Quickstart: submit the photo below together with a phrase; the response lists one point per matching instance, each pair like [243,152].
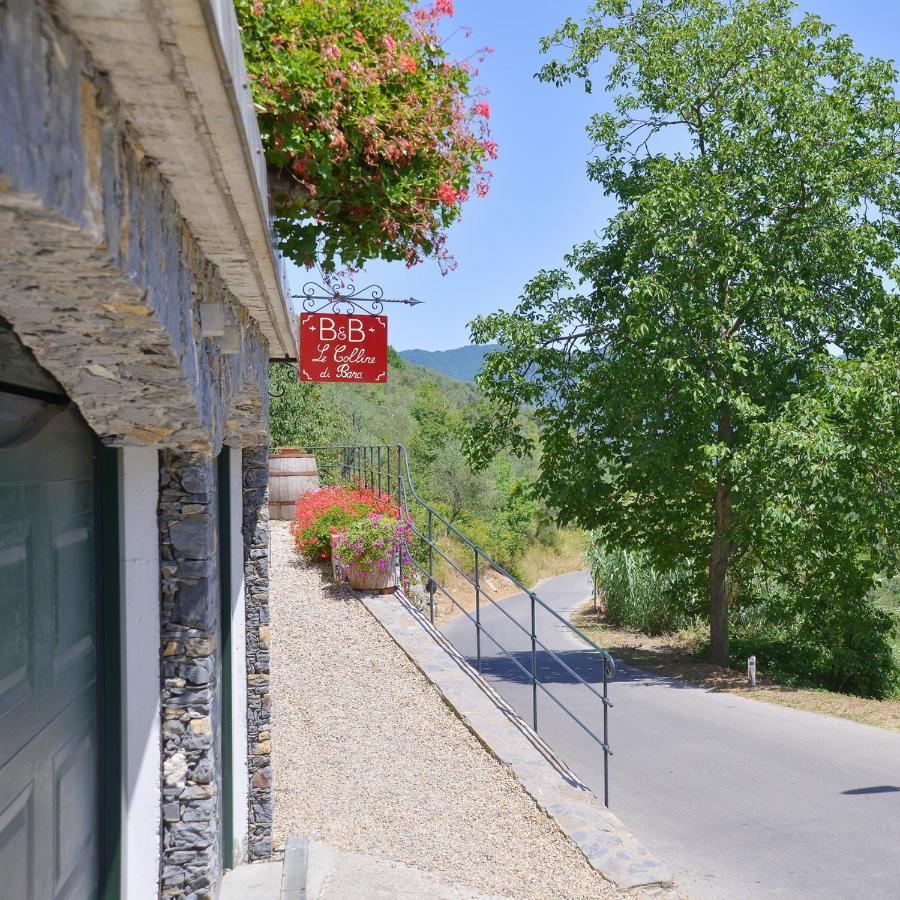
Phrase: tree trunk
[718,579]
[720,555]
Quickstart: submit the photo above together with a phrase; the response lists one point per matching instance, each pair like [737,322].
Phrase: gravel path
[367,757]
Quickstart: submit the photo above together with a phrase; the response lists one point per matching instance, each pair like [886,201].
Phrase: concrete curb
[607,844]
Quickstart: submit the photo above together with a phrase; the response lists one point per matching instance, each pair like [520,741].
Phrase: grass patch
[560,552]
[676,656]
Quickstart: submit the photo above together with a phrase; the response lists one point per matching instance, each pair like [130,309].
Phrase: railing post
[533,662]
[605,734]
[430,565]
[379,469]
[478,609]
[390,483]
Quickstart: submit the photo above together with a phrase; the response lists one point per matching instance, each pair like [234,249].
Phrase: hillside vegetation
[426,411]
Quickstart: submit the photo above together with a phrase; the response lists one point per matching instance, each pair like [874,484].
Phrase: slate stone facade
[259,699]
[102,278]
[191,668]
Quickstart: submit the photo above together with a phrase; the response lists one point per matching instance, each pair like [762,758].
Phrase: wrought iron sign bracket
[368,301]
[282,362]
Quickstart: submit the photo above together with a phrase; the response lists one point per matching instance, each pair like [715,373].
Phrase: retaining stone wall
[191,671]
[259,699]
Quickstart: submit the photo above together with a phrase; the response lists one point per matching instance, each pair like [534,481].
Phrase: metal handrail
[373,466]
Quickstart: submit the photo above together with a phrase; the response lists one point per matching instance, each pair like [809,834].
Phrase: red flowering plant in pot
[323,513]
[374,134]
[367,553]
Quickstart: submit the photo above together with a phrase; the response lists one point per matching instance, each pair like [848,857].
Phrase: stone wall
[191,729]
[102,278]
[259,699]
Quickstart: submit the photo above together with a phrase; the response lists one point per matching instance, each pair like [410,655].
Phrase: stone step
[256,881]
[314,871]
[340,875]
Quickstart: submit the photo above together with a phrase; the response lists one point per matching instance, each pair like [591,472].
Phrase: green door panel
[48,660]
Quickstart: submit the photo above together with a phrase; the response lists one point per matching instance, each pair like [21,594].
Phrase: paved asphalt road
[743,799]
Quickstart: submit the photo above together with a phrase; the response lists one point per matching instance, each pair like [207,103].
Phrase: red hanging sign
[338,347]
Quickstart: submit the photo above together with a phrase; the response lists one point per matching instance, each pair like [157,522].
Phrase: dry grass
[566,555]
[672,657]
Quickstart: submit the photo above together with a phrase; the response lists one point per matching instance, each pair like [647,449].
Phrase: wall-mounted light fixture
[230,344]
[212,319]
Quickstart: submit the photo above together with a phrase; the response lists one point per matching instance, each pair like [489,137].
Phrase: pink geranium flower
[446,194]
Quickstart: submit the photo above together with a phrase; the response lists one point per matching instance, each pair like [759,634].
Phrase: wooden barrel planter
[292,472]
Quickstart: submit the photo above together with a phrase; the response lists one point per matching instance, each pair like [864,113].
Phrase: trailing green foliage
[374,134]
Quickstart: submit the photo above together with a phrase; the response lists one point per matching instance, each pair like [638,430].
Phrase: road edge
[609,847]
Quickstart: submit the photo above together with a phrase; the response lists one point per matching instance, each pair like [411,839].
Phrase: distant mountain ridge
[463,363]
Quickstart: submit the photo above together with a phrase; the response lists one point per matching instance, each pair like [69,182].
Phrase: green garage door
[48,654]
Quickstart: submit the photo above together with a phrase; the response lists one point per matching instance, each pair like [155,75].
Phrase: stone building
[140,302]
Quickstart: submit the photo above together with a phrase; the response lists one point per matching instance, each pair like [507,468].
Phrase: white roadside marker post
[751,671]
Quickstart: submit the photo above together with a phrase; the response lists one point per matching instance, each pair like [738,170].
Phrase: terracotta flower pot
[373,581]
[363,580]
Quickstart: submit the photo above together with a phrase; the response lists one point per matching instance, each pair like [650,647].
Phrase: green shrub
[807,635]
[332,510]
[635,595]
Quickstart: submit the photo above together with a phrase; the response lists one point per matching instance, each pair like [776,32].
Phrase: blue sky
[541,202]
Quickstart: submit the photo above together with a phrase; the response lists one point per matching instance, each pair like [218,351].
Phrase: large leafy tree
[694,367]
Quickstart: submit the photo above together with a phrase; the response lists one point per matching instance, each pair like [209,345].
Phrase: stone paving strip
[607,844]
[367,756]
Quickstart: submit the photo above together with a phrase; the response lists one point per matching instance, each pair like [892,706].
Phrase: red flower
[446,194]
[407,63]
[359,37]
[482,109]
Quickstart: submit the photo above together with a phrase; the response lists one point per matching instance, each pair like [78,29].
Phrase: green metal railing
[385,468]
